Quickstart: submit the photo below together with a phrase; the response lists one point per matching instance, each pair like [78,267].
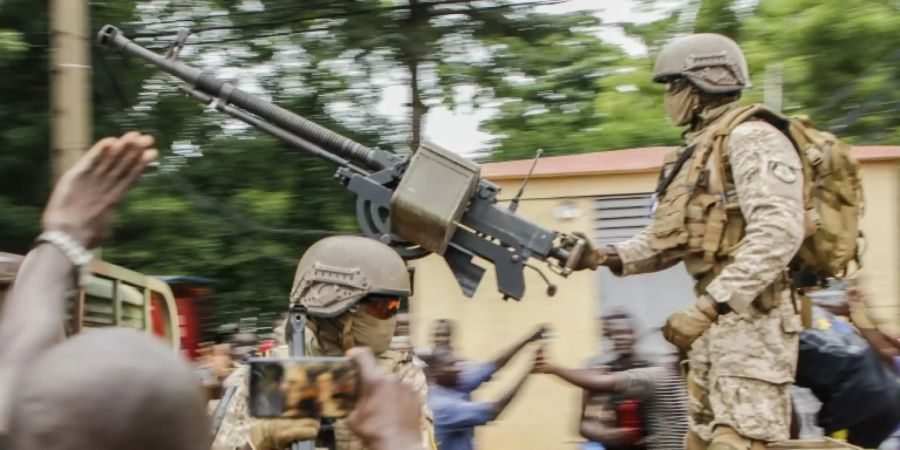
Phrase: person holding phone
[352,288]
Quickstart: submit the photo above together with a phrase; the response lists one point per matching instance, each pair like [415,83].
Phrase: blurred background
[494,80]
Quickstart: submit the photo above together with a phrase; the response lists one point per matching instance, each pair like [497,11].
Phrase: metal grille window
[619,217]
[99,303]
[650,298]
[131,306]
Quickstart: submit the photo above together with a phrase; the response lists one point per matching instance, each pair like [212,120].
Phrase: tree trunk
[418,108]
[417,18]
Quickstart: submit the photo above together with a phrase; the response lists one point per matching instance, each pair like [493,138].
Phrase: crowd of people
[725,386]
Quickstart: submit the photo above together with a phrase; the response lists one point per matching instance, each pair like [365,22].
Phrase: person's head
[243,345]
[618,327]
[701,71]
[113,389]
[352,288]
[443,367]
[442,334]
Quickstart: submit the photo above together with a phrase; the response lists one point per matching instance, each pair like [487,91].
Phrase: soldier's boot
[725,438]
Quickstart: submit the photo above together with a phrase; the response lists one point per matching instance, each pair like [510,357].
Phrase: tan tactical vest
[699,214]
[398,363]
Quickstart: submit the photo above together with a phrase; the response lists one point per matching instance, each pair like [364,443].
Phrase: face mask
[680,105]
[372,332]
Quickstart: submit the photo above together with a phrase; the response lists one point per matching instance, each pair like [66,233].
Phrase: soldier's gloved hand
[591,258]
[683,327]
[278,434]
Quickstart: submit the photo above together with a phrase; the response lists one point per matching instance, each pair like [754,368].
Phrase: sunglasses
[381,306]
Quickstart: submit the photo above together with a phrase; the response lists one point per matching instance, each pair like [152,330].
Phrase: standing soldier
[730,206]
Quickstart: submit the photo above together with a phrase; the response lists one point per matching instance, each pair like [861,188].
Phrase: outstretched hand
[541,364]
[83,200]
[540,333]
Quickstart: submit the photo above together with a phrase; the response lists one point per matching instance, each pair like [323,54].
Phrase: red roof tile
[630,160]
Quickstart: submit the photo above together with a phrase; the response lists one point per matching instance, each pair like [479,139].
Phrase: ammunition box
[432,196]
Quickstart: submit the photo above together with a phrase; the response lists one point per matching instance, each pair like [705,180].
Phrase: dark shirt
[602,405]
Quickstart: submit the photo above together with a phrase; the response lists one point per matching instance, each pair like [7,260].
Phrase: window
[650,298]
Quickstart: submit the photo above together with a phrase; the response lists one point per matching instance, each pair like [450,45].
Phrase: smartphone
[297,388]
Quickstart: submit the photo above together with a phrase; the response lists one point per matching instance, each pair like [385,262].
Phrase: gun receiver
[398,200]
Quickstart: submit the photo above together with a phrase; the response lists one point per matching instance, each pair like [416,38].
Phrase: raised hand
[83,200]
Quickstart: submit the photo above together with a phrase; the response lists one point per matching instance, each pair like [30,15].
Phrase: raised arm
[500,405]
[634,382]
[503,358]
[79,211]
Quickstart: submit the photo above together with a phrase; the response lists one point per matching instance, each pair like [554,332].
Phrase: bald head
[113,389]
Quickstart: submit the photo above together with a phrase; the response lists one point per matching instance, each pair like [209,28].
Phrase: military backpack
[832,196]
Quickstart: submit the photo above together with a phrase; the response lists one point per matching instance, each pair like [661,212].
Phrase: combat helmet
[712,62]
[337,272]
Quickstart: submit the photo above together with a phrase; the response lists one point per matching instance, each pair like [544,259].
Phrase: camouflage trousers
[740,373]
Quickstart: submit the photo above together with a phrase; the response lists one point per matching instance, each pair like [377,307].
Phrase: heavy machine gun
[431,202]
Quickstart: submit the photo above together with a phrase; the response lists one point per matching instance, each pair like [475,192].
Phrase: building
[607,195]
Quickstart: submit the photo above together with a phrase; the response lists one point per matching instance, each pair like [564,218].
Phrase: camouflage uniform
[234,430]
[742,366]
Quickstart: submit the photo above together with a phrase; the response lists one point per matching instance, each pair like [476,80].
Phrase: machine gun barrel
[432,202]
[226,93]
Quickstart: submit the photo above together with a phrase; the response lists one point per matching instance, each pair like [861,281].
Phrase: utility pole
[70,79]
[772,92]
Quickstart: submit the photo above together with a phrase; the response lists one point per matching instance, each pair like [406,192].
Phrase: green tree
[24,106]
[838,59]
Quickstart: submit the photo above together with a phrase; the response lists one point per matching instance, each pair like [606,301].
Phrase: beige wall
[881,226]
[546,412]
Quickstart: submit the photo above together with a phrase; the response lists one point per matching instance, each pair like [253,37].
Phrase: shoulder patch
[783,171]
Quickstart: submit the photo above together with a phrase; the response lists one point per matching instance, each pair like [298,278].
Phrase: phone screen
[303,387]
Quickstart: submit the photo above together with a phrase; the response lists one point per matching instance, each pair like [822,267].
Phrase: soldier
[352,288]
[730,206]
